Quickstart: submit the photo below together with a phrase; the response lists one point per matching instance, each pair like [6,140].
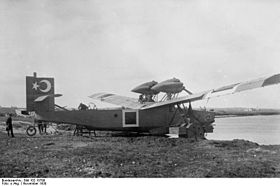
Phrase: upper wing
[248,85]
[118,100]
[229,89]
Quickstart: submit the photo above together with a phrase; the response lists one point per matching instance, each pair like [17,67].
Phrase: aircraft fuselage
[121,119]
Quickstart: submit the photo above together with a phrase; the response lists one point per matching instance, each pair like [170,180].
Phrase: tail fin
[39,93]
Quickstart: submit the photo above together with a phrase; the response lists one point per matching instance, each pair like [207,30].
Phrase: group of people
[82,106]
[9,127]
[145,98]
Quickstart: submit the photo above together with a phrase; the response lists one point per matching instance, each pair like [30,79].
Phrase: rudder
[39,93]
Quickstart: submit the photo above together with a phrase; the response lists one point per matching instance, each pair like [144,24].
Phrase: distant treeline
[225,112]
[10,110]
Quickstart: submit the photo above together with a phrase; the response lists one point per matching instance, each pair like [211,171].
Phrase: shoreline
[64,156]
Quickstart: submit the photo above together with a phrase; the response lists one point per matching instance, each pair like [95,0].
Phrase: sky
[92,46]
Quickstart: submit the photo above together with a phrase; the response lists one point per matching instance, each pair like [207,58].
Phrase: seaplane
[149,113]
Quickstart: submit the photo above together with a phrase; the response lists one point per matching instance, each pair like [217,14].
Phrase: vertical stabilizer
[37,87]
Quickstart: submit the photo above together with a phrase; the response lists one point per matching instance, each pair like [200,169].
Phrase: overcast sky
[91,46]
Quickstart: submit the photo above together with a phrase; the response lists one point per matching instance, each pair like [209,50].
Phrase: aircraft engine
[145,88]
[170,86]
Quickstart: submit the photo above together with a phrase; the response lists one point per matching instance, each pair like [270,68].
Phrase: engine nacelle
[145,88]
[170,86]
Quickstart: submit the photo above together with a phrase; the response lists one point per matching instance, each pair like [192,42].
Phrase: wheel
[31,131]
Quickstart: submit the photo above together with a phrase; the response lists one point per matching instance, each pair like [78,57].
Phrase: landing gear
[189,126]
[80,130]
[195,131]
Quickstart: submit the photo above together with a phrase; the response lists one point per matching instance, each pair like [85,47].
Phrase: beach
[62,155]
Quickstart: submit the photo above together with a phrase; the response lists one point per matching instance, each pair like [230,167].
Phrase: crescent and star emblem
[36,86]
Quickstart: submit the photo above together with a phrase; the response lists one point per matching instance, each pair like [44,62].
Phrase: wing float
[133,103]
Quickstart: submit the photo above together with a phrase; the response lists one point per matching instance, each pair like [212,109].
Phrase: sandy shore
[65,155]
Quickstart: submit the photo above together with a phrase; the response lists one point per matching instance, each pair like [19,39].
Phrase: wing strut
[183,113]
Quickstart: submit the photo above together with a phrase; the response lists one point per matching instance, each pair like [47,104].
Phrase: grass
[147,156]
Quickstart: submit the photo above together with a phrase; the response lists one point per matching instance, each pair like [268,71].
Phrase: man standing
[82,107]
[40,126]
[10,126]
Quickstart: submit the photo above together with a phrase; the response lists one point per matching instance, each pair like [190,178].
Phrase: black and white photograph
[139,89]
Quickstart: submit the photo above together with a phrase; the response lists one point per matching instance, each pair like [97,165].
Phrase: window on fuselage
[130,118]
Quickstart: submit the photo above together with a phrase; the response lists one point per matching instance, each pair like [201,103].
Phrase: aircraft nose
[135,89]
[145,88]
[139,89]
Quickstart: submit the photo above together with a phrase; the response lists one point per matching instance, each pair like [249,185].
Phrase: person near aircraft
[44,128]
[150,98]
[92,105]
[82,107]
[10,126]
[141,99]
[40,126]
[169,96]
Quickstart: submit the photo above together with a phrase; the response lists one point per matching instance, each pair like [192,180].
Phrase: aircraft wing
[229,89]
[123,101]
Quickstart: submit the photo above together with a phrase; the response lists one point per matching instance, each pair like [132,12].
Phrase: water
[263,130]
